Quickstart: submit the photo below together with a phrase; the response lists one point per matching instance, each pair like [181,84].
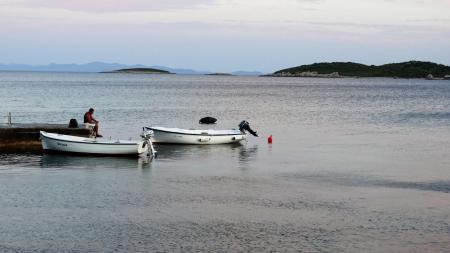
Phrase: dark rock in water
[207,120]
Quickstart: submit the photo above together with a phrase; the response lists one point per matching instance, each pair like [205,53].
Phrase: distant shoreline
[219,74]
[403,70]
[263,76]
[356,77]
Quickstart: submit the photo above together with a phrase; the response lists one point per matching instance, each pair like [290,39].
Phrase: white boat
[52,142]
[187,136]
[165,135]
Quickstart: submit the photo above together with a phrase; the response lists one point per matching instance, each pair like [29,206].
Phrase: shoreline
[356,77]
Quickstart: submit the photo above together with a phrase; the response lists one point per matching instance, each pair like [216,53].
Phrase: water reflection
[240,153]
[23,160]
[247,154]
[181,152]
[67,161]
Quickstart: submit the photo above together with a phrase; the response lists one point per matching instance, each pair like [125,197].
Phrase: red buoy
[269,140]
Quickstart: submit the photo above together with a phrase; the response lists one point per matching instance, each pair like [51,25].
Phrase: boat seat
[91,129]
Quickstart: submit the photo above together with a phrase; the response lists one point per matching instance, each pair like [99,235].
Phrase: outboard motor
[147,138]
[245,126]
[207,120]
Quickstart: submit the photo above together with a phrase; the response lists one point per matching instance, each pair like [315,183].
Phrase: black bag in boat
[73,123]
[207,120]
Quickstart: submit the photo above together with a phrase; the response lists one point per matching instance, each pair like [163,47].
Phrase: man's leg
[96,130]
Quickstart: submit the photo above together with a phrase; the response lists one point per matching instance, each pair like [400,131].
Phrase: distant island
[96,67]
[139,71]
[411,69]
[219,74]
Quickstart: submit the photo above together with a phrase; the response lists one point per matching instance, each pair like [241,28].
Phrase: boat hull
[196,137]
[52,143]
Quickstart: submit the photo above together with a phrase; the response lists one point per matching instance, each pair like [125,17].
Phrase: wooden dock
[24,138]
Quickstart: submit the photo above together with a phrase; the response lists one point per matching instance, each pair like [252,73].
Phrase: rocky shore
[307,74]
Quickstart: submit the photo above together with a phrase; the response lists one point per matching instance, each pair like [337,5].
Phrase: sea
[356,165]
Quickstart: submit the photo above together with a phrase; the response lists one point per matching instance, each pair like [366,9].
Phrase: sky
[224,35]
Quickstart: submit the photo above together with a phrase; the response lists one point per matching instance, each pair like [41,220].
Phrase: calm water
[357,165]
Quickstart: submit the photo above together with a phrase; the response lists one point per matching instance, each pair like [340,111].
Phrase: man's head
[91,110]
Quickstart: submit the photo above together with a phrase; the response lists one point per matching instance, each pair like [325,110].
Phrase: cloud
[111,5]
[396,21]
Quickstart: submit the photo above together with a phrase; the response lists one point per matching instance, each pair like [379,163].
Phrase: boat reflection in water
[247,154]
[19,160]
[208,154]
[92,162]
[181,152]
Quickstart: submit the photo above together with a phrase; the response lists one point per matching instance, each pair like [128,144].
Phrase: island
[410,69]
[139,71]
[219,74]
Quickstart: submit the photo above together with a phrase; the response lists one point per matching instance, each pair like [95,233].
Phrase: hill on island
[411,69]
[140,71]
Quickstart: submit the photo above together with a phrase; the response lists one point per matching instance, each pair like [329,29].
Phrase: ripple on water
[366,181]
[214,236]
[19,163]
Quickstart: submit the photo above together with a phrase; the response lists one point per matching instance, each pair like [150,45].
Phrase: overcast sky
[224,35]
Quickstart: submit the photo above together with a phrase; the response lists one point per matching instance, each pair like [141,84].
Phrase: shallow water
[357,165]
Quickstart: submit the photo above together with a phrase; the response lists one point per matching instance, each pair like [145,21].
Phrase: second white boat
[166,135]
[187,136]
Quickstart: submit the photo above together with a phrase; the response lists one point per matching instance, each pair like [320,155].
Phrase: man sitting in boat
[89,119]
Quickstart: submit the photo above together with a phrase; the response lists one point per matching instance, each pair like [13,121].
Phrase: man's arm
[89,119]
